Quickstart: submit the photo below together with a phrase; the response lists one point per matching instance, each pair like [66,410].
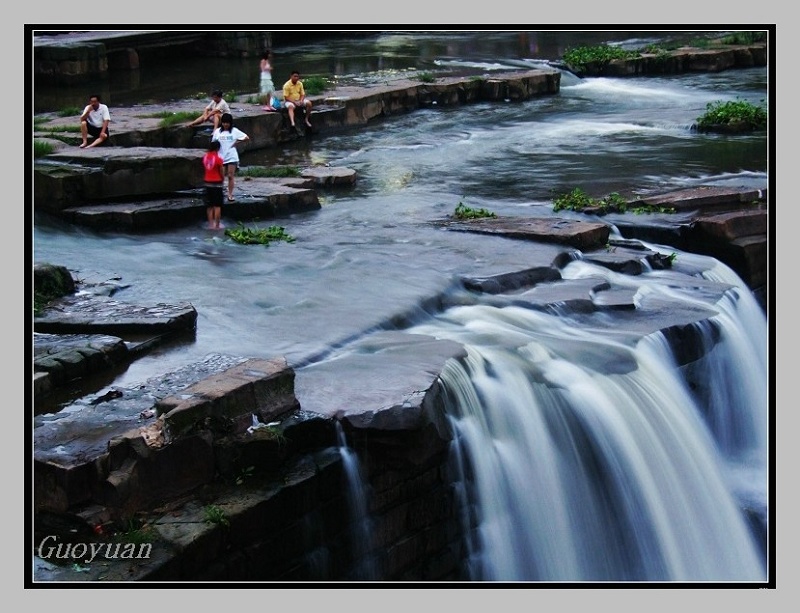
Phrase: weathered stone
[255,387]
[397,390]
[578,234]
[330,175]
[101,315]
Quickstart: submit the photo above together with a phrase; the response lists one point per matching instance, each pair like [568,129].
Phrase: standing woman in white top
[229,137]
[266,85]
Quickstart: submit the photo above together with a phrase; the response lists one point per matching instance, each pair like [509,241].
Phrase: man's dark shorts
[95,131]
[213,194]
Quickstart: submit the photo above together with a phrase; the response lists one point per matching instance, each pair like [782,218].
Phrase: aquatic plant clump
[733,113]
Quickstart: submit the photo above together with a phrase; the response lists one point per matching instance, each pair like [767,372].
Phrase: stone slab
[396,370]
[90,314]
[575,233]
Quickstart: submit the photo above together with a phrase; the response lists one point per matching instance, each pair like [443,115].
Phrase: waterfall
[585,457]
[364,566]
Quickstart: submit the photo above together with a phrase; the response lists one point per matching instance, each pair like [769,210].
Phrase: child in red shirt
[214,176]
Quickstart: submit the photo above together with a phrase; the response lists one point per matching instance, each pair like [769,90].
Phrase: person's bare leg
[217,217]
[84,134]
[97,141]
[231,172]
[308,112]
[290,108]
[210,216]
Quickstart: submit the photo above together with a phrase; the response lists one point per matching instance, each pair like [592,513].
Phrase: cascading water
[583,457]
[364,566]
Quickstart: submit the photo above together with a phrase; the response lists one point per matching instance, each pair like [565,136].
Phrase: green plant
[42,148]
[733,113]
[425,77]
[229,96]
[579,58]
[170,119]
[258,236]
[215,515]
[69,111]
[244,474]
[578,200]
[53,129]
[38,121]
[671,258]
[744,38]
[136,532]
[273,171]
[464,212]
[315,84]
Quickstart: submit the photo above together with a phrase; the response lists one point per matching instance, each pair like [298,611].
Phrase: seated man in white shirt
[213,111]
[94,122]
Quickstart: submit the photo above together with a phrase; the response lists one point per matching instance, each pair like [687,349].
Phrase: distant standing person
[294,95]
[94,122]
[229,137]
[266,86]
[214,177]
[213,111]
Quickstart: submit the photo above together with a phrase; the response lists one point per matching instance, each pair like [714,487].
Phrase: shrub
[734,113]
[578,58]
[315,85]
[425,77]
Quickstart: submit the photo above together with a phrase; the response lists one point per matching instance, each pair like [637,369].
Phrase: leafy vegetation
[215,515]
[69,111]
[315,84]
[464,212]
[734,113]
[170,118]
[745,38]
[425,77]
[578,200]
[245,474]
[42,148]
[136,532]
[579,58]
[258,236]
[273,171]
[62,128]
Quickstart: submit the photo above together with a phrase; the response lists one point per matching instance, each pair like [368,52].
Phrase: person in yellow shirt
[294,95]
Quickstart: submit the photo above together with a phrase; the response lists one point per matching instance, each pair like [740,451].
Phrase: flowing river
[644,479]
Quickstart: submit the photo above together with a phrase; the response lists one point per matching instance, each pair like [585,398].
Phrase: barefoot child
[214,177]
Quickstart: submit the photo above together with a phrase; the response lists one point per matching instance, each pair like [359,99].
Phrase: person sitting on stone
[213,111]
[94,121]
[294,95]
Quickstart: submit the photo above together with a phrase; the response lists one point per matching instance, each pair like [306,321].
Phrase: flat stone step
[256,198]
[575,233]
[90,314]
[704,198]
